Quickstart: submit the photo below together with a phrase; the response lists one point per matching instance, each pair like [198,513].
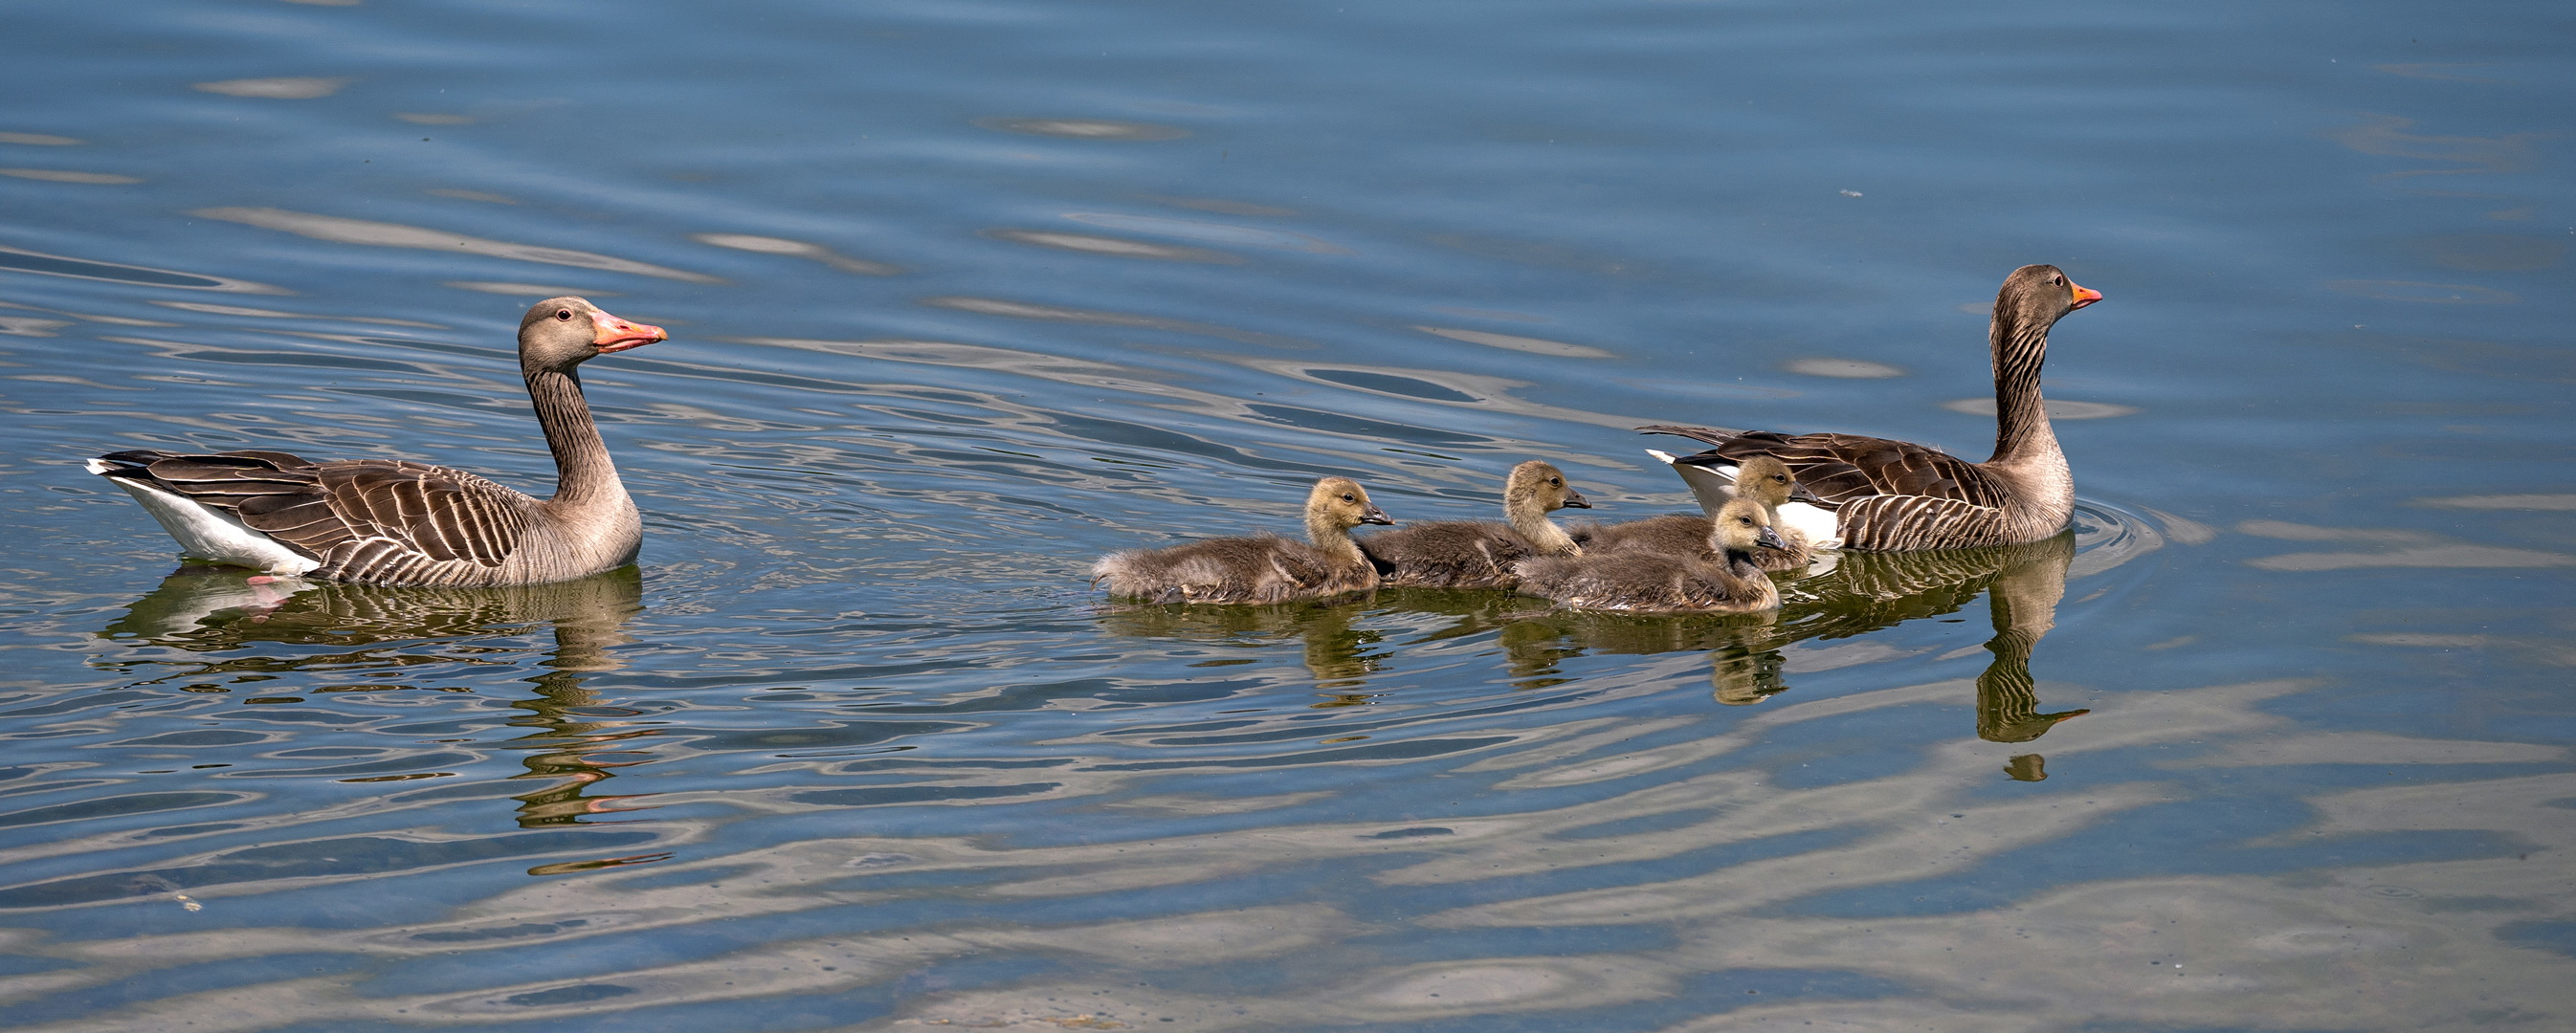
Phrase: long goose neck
[585,477]
[2022,433]
[1334,541]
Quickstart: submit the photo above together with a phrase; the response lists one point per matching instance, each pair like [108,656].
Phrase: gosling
[1258,570]
[1639,581]
[1480,553]
[1763,479]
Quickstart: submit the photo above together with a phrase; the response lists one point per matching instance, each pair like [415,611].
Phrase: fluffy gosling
[1261,569]
[1641,581]
[1480,553]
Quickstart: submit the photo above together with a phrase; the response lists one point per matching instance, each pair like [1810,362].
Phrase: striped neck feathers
[2022,431]
[584,474]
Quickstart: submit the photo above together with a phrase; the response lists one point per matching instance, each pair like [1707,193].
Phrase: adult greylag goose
[1763,479]
[1261,569]
[1656,582]
[1896,495]
[1480,553]
[392,522]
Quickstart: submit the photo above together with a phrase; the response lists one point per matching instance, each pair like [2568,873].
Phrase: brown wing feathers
[367,519]
[442,514]
[1896,523]
[1837,469]
[223,481]
[1887,495]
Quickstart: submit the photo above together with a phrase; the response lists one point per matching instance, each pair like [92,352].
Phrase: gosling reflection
[2029,767]
[1337,654]
[1743,648]
[222,610]
[1863,593]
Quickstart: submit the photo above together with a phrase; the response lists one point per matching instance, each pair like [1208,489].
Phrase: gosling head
[1339,503]
[1765,479]
[1539,487]
[2037,295]
[1742,526]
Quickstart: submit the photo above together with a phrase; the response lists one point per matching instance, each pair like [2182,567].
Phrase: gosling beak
[616,335]
[1575,500]
[1770,539]
[2083,295]
[1374,515]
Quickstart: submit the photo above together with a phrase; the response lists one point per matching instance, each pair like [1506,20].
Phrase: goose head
[1537,487]
[1741,526]
[1767,480]
[561,333]
[1338,504]
[2036,296]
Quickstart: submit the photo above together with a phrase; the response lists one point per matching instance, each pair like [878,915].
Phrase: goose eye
[564,314]
[2057,279]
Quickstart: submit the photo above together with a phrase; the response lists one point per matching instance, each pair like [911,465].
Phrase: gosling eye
[564,314]
[1347,498]
[1554,483]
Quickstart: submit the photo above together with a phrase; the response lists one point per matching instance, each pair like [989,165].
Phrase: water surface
[964,295]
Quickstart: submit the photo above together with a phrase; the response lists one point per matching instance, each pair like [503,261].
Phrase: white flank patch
[1822,531]
[1714,486]
[210,534]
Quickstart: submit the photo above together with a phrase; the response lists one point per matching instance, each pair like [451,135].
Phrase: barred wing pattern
[1896,523]
[380,521]
[1888,495]
[1834,469]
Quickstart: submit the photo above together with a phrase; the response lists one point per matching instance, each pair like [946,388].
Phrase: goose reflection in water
[1862,593]
[223,610]
[1337,654]
[2022,584]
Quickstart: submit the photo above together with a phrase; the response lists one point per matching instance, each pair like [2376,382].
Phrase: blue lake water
[965,294]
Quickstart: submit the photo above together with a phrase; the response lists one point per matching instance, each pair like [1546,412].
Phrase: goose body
[1764,480]
[391,522]
[1260,569]
[1727,579]
[1481,553]
[1889,495]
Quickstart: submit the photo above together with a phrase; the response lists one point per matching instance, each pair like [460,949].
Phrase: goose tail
[1711,483]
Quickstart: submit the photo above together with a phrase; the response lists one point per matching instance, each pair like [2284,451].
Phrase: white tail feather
[1816,524]
[212,534]
[1711,486]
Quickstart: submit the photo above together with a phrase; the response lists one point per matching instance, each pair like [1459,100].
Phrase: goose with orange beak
[394,522]
[1877,494]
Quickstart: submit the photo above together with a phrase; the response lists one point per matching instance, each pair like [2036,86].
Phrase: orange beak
[2083,295]
[617,335]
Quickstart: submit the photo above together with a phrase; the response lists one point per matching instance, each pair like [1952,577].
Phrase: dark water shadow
[220,610]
